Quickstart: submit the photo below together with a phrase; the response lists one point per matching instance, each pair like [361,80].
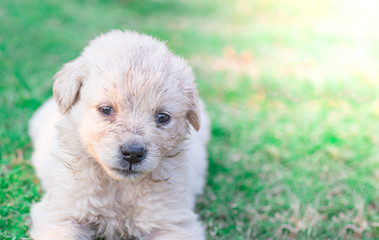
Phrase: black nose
[133,153]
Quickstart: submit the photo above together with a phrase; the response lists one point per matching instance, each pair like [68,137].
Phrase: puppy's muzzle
[133,153]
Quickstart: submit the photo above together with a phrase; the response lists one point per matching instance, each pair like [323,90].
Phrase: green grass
[291,86]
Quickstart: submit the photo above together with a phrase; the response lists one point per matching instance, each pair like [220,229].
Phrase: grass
[291,87]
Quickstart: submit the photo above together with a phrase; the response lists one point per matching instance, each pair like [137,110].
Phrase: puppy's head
[132,101]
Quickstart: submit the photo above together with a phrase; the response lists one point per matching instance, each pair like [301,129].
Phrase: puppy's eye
[106,110]
[162,118]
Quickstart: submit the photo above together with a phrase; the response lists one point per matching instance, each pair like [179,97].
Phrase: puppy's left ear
[193,114]
[67,83]
[188,82]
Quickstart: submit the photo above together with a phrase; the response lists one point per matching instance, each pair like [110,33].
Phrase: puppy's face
[132,106]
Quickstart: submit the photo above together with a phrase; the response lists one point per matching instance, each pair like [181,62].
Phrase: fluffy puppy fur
[107,99]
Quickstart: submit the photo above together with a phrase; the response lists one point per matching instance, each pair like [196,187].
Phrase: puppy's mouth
[128,172]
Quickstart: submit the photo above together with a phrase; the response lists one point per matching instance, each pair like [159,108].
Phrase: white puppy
[117,151]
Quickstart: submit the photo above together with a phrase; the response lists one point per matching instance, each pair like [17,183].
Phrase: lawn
[292,88]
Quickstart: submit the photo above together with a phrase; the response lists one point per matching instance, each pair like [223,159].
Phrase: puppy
[119,150]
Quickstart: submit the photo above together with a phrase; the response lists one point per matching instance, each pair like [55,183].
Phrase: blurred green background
[291,87]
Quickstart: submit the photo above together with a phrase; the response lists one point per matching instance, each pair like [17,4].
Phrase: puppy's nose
[133,153]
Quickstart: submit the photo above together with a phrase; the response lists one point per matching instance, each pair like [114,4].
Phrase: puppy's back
[43,133]
[197,151]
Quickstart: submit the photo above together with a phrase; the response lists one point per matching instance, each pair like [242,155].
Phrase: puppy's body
[91,191]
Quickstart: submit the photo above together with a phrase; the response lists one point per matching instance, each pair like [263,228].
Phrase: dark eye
[162,118]
[106,110]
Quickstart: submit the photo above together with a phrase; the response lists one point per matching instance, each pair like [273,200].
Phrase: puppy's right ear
[67,83]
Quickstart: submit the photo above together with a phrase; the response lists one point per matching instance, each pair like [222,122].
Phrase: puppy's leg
[191,230]
[49,223]
[178,235]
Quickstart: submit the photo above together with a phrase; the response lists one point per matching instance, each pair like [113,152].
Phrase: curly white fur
[76,148]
